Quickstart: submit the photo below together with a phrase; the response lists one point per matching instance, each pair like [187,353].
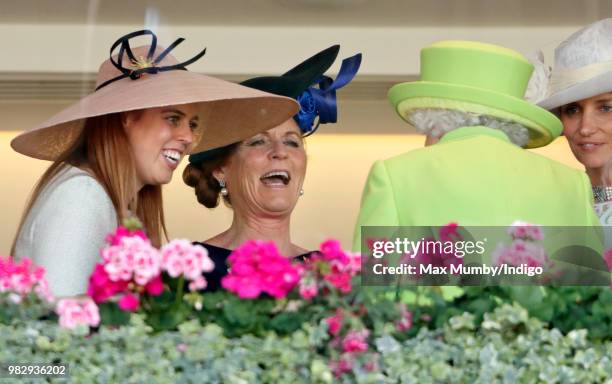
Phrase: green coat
[475,177]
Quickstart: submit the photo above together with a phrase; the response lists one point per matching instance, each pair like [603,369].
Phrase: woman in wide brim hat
[113,149]
[261,176]
[579,91]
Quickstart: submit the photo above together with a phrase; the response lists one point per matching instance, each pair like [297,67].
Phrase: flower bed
[146,319]
[507,347]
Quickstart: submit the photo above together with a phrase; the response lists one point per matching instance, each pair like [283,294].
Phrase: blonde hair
[104,150]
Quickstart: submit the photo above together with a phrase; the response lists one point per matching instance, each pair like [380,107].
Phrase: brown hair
[200,177]
[104,150]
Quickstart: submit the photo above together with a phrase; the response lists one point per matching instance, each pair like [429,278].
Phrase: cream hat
[582,68]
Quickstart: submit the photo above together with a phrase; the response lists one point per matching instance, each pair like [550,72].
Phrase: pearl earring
[301,192]
[223,189]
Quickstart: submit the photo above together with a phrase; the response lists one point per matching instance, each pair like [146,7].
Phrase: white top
[66,228]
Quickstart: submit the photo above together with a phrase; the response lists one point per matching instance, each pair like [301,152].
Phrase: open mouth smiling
[172,157]
[276,178]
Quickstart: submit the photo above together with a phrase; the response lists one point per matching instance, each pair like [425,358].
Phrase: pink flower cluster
[405,321]
[132,266]
[447,235]
[331,265]
[608,258]
[75,312]
[180,257]
[257,267]
[132,258]
[525,231]
[23,277]
[349,344]
[521,252]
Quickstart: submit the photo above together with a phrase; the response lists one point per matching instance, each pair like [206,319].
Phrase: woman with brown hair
[113,150]
[260,176]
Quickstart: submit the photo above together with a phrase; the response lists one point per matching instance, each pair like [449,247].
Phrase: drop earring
[223,189]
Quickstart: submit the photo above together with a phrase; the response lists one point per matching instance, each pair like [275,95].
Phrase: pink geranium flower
[608,258]
[23,277]
[342,365]
[521,252]
[334,323]
[257,267]
[180,257]
[132,258]
[308,288]
[155,287]
[355,341]
[526,231]
[198,284]
[405,321]
[74,312]
[101,287]
[121,232]
[129,302]
[336,266]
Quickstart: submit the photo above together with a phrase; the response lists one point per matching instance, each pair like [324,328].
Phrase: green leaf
[111,314]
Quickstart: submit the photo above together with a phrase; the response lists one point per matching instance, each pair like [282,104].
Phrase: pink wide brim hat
[228,112]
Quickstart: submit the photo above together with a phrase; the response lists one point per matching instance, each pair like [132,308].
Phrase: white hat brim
[582,90]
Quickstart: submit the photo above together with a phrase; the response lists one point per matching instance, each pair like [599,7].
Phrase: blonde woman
[113,150]
[580,93]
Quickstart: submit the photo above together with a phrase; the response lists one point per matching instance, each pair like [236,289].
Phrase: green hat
[479,78]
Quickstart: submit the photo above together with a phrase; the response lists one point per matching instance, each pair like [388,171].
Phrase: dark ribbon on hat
[151,64]
[321,101]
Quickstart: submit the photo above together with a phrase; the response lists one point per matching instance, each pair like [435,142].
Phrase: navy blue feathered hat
[315,92]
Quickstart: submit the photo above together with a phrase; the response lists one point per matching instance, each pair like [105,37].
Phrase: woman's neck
[245,228]
[595,176]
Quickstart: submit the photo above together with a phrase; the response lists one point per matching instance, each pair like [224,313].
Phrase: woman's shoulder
[73,196]
[73,185]
[221,253]
[75,179]
[213,250]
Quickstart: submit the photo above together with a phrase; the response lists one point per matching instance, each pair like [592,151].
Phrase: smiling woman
[587,124]
[580,92]
[261,176]
[159,139]
[113,150]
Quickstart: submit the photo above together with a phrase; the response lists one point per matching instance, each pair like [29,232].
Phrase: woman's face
[587,124]
[266,172]
[159,138]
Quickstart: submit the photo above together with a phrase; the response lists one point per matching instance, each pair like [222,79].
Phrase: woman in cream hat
[113,149]
[580,93]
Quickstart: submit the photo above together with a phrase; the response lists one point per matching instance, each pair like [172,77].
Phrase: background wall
[51,50]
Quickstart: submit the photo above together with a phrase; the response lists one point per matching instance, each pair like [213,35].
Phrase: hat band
[563,79]
[142,65]
[321,101]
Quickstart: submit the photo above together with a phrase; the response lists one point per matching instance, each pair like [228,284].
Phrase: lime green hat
[479,78]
